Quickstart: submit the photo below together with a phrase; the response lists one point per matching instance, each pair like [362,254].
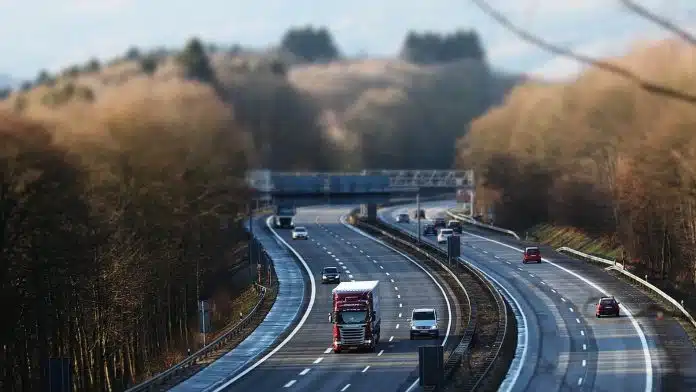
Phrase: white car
[443,234]
[424,322]
[300,233]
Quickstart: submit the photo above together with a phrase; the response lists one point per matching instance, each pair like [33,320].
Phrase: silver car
[424,322]
[300,233]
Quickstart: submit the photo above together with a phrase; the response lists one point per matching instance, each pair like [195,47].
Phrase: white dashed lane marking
[289,383]
[346,387]
[328,350]
[366,367]
[302,373]
[316,361]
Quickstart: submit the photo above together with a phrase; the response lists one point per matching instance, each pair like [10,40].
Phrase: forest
[122,181]
[600,155]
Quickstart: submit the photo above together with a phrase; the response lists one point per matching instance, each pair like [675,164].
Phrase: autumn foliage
[601,155]
[105,207]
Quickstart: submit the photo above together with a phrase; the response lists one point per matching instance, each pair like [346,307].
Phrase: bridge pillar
[369,211]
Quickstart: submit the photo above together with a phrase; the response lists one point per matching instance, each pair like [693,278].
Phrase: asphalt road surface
[568,348]
[307,362]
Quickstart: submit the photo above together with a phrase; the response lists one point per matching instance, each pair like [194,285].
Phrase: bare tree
[646,85]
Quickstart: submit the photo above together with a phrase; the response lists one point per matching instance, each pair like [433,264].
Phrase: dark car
[455,225]
[419,213]
[607,306]
[429,230]
[439,222]
[330,275]
[531,255]
[402,218]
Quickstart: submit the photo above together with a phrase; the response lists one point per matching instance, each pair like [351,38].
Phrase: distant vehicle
[403,218]
[424,322]
[284,216]
[300,233]
[418,213]
[442,236]
[439,222]
[330,274]
[607,306]
[355,315]
[455,225]
[531,254]
[429,230]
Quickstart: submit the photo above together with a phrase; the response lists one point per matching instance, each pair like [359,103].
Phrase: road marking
[397,326]
[328,350]
[367,255]
[401,305]
[350,276]
[580,381]
[344,267]
[380,353]
[398,296]
[563,299]
[381,267]
[366,367]
[582,332]
[392,280]
[542,282]
[329,252]
[391,338]
[361,251]
[532,275]
[337,258]
[554,291]
[396,288]
[302,373]
[519,268]
[340,263]
[387,273]
[399,314]
[324,247]
[316,361]
[346,387]
[578,320]
[348,242]
[347,271]
[641,335]
[374,261]
[584,346]
[289,384]
[571,309]
[584,362]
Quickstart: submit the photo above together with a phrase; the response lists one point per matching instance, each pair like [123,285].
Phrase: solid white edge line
[641,335]
[299,325]
[444,294]
[520,361]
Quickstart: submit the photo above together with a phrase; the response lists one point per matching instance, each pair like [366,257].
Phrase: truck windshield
[420,316]
[352,317]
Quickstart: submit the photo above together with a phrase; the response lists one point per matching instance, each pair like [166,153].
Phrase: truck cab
[355,315]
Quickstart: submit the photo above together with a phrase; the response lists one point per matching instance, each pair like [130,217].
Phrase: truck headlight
[323,276]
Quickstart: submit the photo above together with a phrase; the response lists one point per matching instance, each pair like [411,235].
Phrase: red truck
[355,315]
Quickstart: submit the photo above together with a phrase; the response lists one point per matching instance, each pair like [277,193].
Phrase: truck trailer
[284,216]
[355,315]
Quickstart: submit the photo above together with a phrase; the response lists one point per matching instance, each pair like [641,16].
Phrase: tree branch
[658,20]
[648,86]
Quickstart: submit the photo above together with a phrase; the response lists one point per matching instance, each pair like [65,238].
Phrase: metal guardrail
[622,269]
[613,264]
[464,346]
[203,352]
[474,222]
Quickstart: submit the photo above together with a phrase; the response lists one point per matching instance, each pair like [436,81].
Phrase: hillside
[599,155]
[368,113]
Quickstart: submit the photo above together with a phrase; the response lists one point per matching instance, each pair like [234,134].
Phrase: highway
[568,348]
[306,362]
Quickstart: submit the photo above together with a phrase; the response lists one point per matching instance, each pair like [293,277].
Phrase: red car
[531,255]
[607,306]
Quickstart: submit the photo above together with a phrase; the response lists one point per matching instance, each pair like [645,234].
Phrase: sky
[51,34]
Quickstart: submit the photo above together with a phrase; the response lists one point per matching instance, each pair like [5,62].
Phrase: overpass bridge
[288,190]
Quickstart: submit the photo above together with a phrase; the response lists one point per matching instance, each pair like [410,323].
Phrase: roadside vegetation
[598,158]
[122,178]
